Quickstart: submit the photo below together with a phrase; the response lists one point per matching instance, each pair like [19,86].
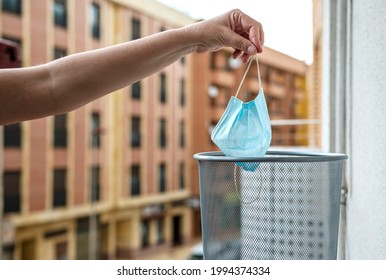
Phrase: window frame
[59,188]
[60,18]
[135,132]
[12,135]
[60,131]
[135,180]
[95,20]
[12,193]
[12,6]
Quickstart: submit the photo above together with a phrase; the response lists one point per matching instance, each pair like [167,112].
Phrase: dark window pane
[135,29]
[145,233]
[82,238]
[95,130]
[12,135]
[182,134]
[136,90]
[13,6]
[8,252]
[59,53]
[135,180]
[162,133]
[12,190]
[11,52]
[61,250]
[135,132]
[60,188]
[160,231]
[60,131]
[95,184]
[182,176]
[60,13]
[162,89]
[182,92]
[162,177]
[95,21]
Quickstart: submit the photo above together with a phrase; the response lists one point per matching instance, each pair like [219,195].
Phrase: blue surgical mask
[244,130]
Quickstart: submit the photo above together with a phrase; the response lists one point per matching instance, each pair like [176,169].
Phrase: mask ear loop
[246,72]
[235,168]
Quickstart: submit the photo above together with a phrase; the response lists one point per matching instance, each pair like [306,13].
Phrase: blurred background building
[116,179]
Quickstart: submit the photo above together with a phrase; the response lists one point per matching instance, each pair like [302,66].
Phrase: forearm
[68,83]
[102,71]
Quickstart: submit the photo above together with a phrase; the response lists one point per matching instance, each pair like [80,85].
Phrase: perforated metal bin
[287,208]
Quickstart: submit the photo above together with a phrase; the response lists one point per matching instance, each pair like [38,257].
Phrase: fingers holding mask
[248,37]
[233,29]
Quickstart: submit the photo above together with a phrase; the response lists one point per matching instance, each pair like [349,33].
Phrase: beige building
[114,171]
[315,74]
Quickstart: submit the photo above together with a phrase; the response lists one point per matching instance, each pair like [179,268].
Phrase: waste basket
[287,208]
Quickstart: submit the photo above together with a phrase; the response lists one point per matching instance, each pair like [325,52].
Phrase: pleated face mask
[244,129]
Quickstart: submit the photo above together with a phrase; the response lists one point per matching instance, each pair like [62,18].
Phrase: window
[11,53]
[182,92]
[82,238]
[95,21]
[136,90]
[162,90]
[12,190]
[13,6]
[162,177]
[60,13]
[135,132]
[182,134]
[12,135]
[160,231]
[61,250]
[95,184]
[135,180]
[59,53]
[275,106]
[145,233]
[95,130]
[60,188]
[162,133]
[182,175]
[135,29]
[60,131]
[8,251]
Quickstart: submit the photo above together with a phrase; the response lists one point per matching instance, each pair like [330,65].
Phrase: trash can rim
[278,156]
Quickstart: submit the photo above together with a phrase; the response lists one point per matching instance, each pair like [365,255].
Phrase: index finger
[255,31]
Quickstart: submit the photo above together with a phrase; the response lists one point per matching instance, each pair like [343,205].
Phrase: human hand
[232,29]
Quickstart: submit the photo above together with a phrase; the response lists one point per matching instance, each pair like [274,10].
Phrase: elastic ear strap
[258,73]
[246,72]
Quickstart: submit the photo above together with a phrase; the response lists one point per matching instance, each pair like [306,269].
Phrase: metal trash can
[288,208]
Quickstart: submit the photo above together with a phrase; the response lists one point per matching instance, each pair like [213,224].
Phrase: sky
[287,24]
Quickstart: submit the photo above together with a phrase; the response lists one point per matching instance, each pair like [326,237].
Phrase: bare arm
[68,83]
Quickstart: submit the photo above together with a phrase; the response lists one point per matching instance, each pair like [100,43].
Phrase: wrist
[190,37]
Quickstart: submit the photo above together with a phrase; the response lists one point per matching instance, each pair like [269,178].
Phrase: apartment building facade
[110,179]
